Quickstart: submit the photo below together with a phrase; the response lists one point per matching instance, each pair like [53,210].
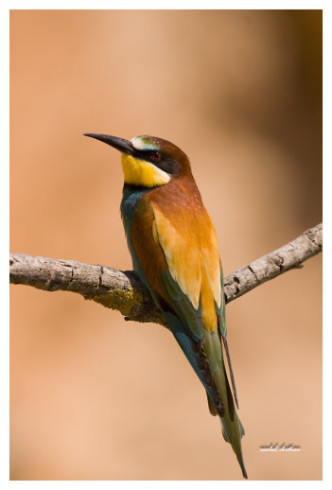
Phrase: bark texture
[123,291]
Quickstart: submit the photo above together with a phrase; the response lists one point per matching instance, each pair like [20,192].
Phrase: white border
[170,4]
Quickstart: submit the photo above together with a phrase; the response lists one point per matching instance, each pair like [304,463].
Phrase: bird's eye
[156,156]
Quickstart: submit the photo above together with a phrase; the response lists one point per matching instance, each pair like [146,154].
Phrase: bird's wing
[181,263]
[173,272]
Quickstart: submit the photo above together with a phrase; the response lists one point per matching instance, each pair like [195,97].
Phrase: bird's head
[148,161]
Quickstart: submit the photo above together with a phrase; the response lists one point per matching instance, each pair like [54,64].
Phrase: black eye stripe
[168,165]
[165,163]
[150,153]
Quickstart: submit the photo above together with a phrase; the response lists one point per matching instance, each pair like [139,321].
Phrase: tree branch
[123,291]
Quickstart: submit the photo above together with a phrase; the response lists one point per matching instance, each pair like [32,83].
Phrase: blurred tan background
[95,397]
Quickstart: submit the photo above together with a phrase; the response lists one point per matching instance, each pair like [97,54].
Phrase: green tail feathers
[232,428]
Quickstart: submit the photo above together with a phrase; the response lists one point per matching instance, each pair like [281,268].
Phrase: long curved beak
[120,144]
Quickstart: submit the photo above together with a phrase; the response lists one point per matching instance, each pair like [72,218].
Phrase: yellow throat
[142,173]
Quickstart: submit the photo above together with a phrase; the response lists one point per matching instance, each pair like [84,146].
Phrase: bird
[174,250]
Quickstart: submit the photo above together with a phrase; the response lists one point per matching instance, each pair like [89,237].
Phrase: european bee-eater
[174,249]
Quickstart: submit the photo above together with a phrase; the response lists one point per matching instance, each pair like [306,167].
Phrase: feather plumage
[174,249]
[175,242]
